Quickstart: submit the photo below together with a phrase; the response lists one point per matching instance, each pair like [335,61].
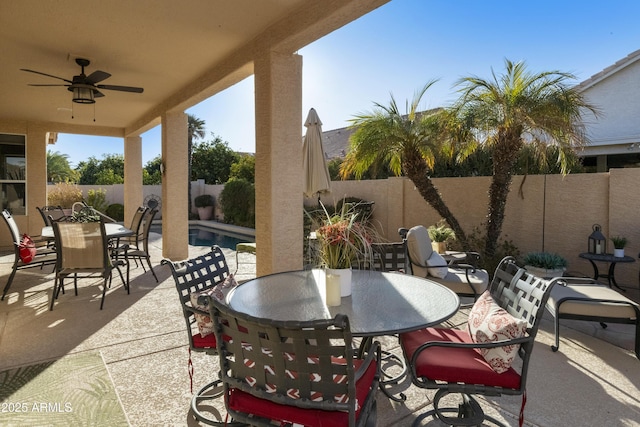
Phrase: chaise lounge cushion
[594,304]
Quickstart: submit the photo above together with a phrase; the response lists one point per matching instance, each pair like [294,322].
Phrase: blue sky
[399,47]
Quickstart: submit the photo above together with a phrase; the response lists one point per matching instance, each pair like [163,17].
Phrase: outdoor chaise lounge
[586,299]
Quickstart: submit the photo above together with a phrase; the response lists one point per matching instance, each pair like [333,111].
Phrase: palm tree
[195,130]
[58,168]
[407,143]
[515,110]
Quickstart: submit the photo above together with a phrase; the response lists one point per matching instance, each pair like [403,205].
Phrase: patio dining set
[86,243]
[289,357]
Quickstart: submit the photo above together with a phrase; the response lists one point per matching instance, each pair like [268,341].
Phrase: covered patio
[591,380]
[180,54]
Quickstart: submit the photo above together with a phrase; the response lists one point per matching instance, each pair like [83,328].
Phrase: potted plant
[545,264]
[440,234]
[619,243]
[204,203]
[343,240]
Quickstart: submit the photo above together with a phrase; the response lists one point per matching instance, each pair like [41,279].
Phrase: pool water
[203,236]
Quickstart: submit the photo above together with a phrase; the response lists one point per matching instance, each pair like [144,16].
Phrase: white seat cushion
[593,305]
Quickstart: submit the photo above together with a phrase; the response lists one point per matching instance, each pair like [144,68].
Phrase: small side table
[612,260]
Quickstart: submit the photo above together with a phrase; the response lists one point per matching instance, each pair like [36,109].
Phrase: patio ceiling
[180,53]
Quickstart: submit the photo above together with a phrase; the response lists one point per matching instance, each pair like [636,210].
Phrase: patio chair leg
[9,281]
[211,391]
[151,268]
[104,290]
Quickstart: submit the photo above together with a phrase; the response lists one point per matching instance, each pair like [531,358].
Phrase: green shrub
[115,211]
[238,203]
[363,208]
[546,260]
[477,240]
[204,200]
[97,199]
[64,195]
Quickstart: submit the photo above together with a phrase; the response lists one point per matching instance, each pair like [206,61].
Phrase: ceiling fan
[83,87]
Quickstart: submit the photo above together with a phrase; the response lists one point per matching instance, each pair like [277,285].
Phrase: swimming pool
[206,236]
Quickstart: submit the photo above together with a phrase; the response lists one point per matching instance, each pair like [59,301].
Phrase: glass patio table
[380,304]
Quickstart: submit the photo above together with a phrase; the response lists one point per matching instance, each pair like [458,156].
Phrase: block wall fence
[544,212]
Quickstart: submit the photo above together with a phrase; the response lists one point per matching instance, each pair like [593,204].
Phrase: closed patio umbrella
[316,174]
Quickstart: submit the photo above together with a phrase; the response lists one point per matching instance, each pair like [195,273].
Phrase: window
[13,173]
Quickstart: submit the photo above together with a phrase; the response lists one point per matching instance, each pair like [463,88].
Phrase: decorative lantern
[597,241]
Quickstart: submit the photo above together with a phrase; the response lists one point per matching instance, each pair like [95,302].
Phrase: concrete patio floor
[592,380]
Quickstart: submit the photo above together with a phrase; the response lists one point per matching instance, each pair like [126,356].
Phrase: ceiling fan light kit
[82,94]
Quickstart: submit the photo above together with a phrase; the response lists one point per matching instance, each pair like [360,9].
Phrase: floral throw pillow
[219,292]
[441,270]
[488,322]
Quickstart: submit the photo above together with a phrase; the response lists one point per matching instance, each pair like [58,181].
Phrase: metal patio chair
[192,277]
[42,254]
[294,373]
[449,360]
[136,247]
[82,251]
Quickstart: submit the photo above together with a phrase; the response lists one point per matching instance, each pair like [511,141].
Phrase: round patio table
[380,303]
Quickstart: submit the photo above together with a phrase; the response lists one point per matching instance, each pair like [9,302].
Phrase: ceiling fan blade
[97,76]
[97,94]
[121,88]
[47,85]
[45,74]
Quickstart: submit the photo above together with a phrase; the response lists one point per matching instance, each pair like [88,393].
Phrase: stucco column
[175,224]
[36,188]
[278,92]
[133,195]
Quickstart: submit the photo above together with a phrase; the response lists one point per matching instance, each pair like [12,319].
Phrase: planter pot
[618,253]
[440,247]
[544,273]
[205,213]
[345,279]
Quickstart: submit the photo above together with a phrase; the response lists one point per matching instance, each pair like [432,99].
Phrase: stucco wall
[544,212]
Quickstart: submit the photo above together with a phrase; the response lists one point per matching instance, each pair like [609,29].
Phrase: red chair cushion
[247,403]
[464,365]
[208,341]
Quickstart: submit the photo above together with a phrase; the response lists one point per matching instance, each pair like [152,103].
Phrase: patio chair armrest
[493,344]
[473,258]
[565,281]
[194,310]
[373,356]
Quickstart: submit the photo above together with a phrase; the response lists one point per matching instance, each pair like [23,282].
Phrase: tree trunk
[505,155]
[418,172]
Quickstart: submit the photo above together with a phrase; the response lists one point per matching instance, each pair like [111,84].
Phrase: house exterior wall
[617,125]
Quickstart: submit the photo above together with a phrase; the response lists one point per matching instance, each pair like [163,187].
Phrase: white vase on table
[618,253]
[345,279]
